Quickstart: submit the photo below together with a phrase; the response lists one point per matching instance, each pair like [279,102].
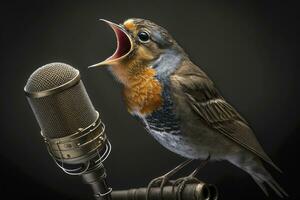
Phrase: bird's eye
[143,36]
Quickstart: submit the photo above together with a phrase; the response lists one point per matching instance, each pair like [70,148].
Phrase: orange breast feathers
[143,93]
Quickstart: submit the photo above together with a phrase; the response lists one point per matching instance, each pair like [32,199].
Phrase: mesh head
[63,113]
[50,76]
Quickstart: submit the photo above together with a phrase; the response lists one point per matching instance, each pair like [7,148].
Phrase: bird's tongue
[123,43]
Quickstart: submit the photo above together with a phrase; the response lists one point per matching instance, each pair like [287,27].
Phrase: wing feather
[206,101]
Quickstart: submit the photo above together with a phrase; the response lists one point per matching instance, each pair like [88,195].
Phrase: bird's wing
[201,94]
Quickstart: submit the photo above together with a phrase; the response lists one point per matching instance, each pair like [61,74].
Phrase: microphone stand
[190,191]
[96,178]
[95,175]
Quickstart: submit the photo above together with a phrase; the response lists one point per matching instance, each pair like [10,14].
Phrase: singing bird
[179,104]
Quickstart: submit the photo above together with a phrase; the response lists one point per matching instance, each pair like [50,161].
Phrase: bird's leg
[202,164]
[191,178]
[164,179]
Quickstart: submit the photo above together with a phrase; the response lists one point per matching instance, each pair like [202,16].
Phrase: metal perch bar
[195,191]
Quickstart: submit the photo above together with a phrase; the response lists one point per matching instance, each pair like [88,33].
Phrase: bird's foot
[164,179]
[181,183]
[159,181]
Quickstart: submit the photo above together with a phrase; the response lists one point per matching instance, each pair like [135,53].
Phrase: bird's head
[140,43]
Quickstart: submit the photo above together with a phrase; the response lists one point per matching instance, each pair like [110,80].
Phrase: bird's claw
[164,179]
[181,182]
[159,181]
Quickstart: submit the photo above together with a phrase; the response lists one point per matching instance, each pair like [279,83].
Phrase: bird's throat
[143,92]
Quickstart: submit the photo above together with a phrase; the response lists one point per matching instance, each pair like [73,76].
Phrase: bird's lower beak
[124,45]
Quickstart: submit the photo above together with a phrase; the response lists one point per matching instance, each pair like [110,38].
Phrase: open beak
[124,45]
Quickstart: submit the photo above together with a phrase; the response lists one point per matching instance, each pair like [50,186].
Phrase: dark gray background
[248,49]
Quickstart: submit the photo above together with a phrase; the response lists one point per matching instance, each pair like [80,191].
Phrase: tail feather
[275,186]
[275,166]
[253,166]
[261,185]
[263,176]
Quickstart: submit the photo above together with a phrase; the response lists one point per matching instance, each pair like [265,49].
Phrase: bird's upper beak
[124,45]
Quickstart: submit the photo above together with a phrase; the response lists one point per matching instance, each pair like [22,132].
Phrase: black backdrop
[248,49]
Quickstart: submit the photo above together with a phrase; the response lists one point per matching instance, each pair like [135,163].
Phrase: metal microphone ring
[106,193]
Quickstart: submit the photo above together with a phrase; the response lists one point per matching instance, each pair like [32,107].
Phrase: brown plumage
[142,92]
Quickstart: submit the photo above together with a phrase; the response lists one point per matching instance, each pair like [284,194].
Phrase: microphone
[70,126]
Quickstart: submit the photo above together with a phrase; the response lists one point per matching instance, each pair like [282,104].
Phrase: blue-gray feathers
[165,119]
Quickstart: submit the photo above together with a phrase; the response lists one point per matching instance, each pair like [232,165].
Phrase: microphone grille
[63,111]
[50,76]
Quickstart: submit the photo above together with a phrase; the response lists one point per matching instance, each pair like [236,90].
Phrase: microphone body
[70,126]
[191,191]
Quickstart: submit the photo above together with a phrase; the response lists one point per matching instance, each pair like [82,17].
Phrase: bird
[180,106]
